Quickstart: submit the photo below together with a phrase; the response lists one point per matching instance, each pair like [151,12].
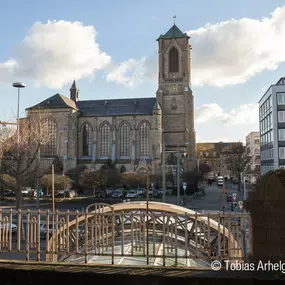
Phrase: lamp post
[18,85]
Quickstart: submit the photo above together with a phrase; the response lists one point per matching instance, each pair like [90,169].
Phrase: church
[130,132]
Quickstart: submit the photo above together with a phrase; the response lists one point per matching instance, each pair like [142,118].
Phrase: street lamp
[18,85]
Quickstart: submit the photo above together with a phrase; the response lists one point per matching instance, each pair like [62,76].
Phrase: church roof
[56,101]
[111,107]
[173,33]
[117,107]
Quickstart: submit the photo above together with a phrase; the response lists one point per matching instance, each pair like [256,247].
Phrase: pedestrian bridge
[137,233]
[129,233]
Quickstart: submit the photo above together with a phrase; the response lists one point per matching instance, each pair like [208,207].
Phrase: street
[212,201]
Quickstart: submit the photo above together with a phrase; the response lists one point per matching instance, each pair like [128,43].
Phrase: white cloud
[132,73]
[231,52]
[242,115]
[129,73]
[54,53]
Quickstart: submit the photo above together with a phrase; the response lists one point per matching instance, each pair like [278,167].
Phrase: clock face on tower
[173,89]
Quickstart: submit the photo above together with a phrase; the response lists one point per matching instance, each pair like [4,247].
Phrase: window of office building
[280,98]
[266,154]
[281,116]
[281,134]
[281,152]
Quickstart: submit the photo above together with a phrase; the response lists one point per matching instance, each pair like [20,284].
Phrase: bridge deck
[15,272]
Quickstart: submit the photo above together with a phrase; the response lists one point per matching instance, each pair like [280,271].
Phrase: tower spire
[74,92]
[174,17]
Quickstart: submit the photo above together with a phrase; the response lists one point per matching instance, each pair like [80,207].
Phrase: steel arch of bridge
[129,229]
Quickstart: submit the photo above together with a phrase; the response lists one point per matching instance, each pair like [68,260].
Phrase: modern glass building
[272,127]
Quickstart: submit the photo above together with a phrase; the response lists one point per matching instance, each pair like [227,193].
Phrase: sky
[110,48]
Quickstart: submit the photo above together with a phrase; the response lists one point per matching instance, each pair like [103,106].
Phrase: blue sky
[233,63]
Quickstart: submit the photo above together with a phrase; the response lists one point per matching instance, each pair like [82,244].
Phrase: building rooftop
[56,101]
[173,33]
[281,81]
[116,107]
[107,107]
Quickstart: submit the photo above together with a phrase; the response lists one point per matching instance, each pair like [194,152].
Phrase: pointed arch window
[125,140]
[144,136]
[86,146]
[49,147]
[106,140]
[173,60]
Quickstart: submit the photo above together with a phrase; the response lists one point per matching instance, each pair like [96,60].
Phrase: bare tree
[19,155]
[238,160]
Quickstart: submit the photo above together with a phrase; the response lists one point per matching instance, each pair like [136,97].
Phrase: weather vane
[174,17]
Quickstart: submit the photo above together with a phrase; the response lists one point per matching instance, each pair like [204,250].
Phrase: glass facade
[266,135]
[281,131]
[281,98]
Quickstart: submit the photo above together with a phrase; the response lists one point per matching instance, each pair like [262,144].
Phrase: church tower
[74,92]
[174,92]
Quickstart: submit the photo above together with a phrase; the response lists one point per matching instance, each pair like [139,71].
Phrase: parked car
[118,194]
[109,192]
[141,192]
[5,226]
[43,230]
[157,193]
[132,194]
[25,192]
[69,194]
[9,193]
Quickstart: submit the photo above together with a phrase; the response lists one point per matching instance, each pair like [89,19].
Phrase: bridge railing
[110,237]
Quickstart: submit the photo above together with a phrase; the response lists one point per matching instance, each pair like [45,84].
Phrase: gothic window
[86,150]
[106,140]
[173,60]
[124,139]
[49,148]
[144,135]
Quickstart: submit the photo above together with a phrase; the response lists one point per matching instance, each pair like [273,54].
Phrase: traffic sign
[184,185]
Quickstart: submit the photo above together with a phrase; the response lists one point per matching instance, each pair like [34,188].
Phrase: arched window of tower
[173,60]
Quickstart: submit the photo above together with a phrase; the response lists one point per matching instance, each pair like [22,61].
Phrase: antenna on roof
[174,17]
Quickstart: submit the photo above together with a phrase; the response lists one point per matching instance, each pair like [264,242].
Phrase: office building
[272,127]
